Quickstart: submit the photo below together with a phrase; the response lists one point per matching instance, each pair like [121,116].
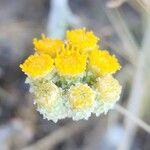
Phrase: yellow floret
[109,88]
[102,63]
[37,65]
[82,39]
[70,62]
[81,96]
[48,45]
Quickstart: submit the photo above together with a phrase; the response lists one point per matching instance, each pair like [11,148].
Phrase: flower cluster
[72,78]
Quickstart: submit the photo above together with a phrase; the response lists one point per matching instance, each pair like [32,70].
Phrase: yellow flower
[81,96]
[102,63]
[48,45]
[70,62]
[82,39]
[37,65]
[45,88]
[109,88]
[49,99]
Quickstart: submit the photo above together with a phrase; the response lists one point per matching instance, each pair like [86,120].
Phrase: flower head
[102,63]
[46,94]
[70,62]
[109,88]
[49,102]
[48,45]
[37,65]
[81,96]
[84,40]
[72,78]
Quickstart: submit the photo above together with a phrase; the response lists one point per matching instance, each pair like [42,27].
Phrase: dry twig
[58,136]
[135,119]
[129,43]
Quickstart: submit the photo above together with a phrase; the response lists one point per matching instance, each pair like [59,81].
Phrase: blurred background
[124,29]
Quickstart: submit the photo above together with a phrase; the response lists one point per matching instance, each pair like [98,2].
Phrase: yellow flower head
[70,62]
[109,88]
[48,45]
[37,65]
[102,63]
[83,39]
[49,99]
[81,96]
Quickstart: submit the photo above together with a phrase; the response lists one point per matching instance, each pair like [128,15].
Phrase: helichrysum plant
[72,78]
